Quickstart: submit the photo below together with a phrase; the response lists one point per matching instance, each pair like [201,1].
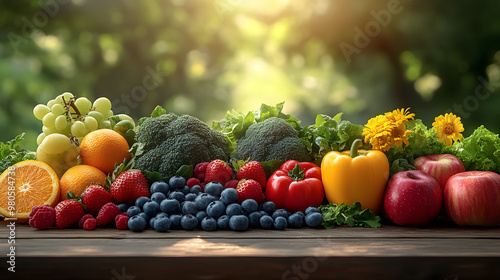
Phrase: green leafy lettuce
[329,134]
[337,215]
[480,151]
[11,153]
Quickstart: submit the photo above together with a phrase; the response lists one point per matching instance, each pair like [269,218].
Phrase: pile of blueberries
[176,206]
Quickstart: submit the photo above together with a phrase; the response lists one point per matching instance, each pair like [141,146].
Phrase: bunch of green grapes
[73,116]
[58,151]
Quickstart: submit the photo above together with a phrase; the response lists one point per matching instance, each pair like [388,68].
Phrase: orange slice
[26,184]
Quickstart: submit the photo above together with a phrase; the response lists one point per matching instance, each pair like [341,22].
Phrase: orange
[26,184]
[78,177]
[103,148]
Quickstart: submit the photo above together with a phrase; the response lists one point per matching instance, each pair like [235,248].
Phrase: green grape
[49,120]
[59,100]
[40,138]
[67,96]
[108,115]
[96,115]
[40,111]
[71,155]
[102,105]
[55,143]
[106,124]
[84,105]
[51,103]
[126,117]
[91,123]
[78,129]
[61,123]
[57,109]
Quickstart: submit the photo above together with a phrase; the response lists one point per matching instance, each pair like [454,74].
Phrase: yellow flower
[400,135]
[448,127]
[400,116]
[378,133]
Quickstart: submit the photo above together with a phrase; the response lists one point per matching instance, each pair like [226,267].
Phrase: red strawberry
[253,170]
[199,171]
[121,221]
[83,219]
[231,184]
[249,189]
[107,214]
[68,213]
[94,197]
[129,186]
[90,224]
[219,171]
[42,217]
[192,182]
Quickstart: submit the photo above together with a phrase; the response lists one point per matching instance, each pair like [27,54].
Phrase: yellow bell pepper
[353,176]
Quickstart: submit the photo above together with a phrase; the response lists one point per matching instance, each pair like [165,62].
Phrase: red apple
[473,198]
[412,198]
[441,167]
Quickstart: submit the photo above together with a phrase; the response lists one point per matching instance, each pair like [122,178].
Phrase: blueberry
[202,201]
[266,222]
[249,206]
[238,223]
[144,216]
[162,215]
[280,213]
[300,213]
[136,223]
[189,222]
[123,207]
[170,206]
[280,223]
[216,209]
[176,221]
[190,197]
[263,213]
[214,188]
[179,196]
[160,186]
[269,207]
[254,219]
[185,190]
[234,209]
[209,224]
[162,224]
[229,196]
[177,182]
[158,197]
[196,189]
[295,220]
[189,207]
[312,209]
[212,198]
[200,215]
[151,208]
[314,219]
[223,222]
[152,222]
[132,211]
[141,201]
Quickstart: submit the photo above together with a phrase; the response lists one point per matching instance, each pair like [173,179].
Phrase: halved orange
[26,184]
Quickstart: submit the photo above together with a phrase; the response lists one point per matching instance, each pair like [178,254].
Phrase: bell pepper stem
[354,147]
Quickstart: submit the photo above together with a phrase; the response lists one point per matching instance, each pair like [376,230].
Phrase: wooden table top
[439,251]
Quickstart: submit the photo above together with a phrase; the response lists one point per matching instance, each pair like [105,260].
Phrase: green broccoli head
[171,141]
[272,139]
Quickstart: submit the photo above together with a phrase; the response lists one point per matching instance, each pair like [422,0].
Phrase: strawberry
[94,197]
[68,213]
[253,170]
[199,171]
[129,186]
[107,214]
[42,217]
[249,188]
[219,171]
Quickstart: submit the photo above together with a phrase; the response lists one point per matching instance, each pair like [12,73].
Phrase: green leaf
[343,214]
[11,153]
[185,171]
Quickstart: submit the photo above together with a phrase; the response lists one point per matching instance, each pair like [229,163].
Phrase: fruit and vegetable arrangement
[257,170]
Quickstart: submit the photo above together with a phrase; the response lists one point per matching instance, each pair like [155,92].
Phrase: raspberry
[83,219]
[107,214]
[90,224]
[121,221]
[231,184]
[193,181]
[42,217]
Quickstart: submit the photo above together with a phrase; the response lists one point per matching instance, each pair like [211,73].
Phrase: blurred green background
[204,57]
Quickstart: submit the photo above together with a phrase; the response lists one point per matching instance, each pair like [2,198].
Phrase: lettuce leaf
[480,151]
[11,153]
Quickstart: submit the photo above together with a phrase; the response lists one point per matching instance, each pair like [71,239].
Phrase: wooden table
[441,251]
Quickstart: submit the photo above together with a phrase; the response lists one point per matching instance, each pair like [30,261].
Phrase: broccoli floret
[272,139]
[171,141]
